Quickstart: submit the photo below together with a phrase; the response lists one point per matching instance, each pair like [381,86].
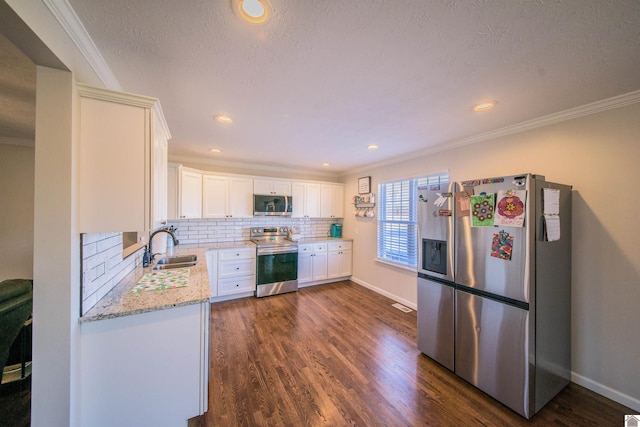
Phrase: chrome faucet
[169,231]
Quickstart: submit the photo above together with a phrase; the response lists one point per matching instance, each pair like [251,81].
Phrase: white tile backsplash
[203,231]
[103,266]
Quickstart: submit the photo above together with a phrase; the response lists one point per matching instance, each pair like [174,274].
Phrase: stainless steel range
[277,261]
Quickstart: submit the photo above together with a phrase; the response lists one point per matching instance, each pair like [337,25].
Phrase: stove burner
[271,236]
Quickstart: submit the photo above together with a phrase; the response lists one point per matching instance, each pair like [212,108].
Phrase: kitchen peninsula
[144,358]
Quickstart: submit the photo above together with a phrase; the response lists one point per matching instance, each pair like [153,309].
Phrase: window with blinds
[397,219]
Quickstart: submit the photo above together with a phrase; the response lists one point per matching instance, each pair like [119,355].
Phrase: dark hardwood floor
[340,354]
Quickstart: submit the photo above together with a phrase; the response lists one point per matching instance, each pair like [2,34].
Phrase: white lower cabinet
[339,262]
[323,261]
[231,271]
[132,363]
[312,262]
[236,285]
[212,270]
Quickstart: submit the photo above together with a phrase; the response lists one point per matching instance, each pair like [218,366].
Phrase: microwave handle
[286,204]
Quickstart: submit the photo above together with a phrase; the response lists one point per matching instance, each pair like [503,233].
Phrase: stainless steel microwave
[270,205]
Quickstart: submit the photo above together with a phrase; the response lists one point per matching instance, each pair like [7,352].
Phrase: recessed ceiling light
[215,150]
[484,106]
[326,165]
[253,11]
[223,118]
[372,147]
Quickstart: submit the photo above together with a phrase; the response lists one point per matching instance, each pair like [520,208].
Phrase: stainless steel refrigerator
[494,285]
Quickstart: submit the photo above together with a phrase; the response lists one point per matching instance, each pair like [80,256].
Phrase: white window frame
[399,245]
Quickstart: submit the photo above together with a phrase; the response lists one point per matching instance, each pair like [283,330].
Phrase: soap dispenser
[146,257]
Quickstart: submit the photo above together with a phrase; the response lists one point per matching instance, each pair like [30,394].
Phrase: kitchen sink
[179,261]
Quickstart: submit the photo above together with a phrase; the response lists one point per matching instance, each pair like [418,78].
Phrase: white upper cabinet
[202,194]
[227,197]
[332,201]
[280,187]
[306,199]
[118,168]
[160,178]
[190,194]
[215,196]
[240,197]
[173,191]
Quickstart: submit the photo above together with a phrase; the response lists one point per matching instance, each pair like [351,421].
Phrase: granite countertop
[225,245]
[324,239]
[120,302]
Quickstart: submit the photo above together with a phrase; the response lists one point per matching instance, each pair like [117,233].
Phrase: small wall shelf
[364,210]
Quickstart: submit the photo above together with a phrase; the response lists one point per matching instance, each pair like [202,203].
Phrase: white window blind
[397,215]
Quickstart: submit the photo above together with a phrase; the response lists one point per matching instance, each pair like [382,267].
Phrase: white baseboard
[587,383]
[607,392]
[385,293]
[231,297]
[322,282]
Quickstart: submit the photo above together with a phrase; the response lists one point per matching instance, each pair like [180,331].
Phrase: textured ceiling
[323,79]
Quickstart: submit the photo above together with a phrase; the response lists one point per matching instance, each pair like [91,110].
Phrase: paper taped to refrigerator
[463,203]
[551,213]
[552,228]
[510,209]
[502,246]
[551,201]
[482,207]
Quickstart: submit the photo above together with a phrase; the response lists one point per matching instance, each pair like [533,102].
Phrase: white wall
[599,155]
[16,216]
[56,269]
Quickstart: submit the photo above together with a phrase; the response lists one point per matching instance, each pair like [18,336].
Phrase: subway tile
[88,303]
[89,250]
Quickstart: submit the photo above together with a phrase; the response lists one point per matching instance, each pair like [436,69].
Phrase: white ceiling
[324,79]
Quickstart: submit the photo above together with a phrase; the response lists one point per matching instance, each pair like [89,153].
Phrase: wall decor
[364,185]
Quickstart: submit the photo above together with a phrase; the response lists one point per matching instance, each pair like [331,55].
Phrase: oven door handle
[274,251]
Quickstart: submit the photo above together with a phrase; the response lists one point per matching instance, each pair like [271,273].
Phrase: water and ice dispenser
[434,255]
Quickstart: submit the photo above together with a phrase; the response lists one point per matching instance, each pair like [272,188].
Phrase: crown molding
[116,96]
[251,166]
[562,116]
[66,16]
[17,141]
[69,20]
[160,121]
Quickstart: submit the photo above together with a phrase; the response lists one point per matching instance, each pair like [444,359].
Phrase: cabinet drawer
[236,268]
[237,253]
[320,247]
[305,249]
[237,285]
[340,246]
